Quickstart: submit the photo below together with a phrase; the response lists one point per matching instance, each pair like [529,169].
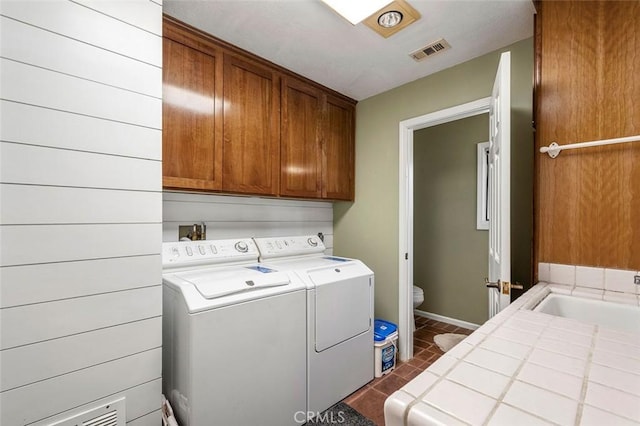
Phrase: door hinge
[406,256]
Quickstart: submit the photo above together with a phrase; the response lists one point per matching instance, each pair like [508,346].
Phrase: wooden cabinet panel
[192,133]
[300,153]
[338,147]
[588,200]
[251,132]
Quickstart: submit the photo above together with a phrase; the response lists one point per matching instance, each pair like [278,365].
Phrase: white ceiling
[307,37]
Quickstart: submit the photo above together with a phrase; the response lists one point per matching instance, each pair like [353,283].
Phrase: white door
[499,286]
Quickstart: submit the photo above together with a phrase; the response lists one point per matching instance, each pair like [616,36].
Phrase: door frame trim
[405,214]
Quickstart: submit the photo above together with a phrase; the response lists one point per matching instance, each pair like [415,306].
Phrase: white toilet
[418,298]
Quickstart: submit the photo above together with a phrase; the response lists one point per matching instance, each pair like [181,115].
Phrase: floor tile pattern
[369,400]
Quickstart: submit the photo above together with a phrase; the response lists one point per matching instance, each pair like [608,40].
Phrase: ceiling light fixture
[390,19]
[355,11]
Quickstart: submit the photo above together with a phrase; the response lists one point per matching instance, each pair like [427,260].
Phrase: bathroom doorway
[449,251]
[406,204]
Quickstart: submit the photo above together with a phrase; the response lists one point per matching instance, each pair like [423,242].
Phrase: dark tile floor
[369,400]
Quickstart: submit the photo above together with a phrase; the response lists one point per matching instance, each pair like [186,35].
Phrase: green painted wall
[444,212]
[368,228]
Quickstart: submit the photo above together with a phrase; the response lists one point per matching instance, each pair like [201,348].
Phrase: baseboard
[442,318]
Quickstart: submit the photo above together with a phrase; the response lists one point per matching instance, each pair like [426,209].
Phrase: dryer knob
[312,242]
[242,247]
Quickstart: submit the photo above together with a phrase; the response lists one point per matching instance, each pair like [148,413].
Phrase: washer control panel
[185,253]
[274,247]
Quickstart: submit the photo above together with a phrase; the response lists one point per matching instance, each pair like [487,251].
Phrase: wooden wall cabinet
[251,128]
[235,123]
[317,145]
[191,114]
[339,150]
[301,150]
[587,204]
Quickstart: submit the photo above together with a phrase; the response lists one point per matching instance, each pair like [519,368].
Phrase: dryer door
[343,304]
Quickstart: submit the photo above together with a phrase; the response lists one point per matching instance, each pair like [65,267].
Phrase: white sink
[606,314]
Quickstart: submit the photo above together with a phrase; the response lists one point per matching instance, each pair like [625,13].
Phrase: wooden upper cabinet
[251,134]
[317,143]
[300,150]
[191,115]
[338,149]
[235,123]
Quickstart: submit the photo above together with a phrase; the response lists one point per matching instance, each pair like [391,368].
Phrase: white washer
[339,316]
[234,350]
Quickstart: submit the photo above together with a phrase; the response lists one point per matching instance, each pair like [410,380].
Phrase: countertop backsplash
[592,280]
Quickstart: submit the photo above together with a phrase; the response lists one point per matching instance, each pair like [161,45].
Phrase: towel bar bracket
[554,150]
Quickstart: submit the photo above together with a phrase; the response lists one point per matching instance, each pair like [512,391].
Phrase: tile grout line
[513,378]
[440,379]
[585,380]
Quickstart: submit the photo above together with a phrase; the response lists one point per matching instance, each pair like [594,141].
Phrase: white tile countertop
[524,367]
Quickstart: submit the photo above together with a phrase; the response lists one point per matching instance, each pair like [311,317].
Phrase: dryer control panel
[186,253]
[274,247]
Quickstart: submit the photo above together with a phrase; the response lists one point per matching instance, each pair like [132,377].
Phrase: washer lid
[215,284]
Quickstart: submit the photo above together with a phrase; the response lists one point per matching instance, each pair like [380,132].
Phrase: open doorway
[406,206]
[450,245]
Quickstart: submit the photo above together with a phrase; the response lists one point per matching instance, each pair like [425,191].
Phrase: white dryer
[234,336]
[339,315]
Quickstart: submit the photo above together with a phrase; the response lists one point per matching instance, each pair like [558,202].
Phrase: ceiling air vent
[430,49]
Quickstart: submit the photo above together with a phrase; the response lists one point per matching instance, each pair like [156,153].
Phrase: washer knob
[242,247]
[312,242]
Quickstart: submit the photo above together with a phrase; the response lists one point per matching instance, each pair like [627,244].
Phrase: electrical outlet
[636,279]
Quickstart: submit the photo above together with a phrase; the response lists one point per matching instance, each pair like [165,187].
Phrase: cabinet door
[300,153]
[192,124]
[251,148]
[338,146]
[587,88]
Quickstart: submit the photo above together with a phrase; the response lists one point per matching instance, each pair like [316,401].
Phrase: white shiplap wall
[80,208]
[233,217]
